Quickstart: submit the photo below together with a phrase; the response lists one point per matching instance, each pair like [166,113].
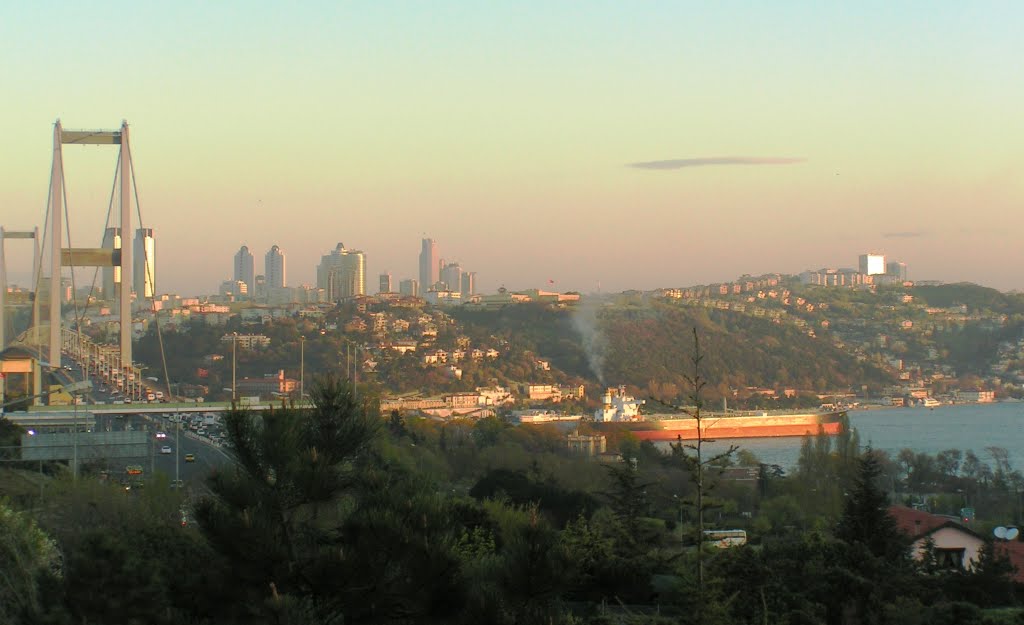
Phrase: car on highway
[166,449]
[190,458]
[161,435]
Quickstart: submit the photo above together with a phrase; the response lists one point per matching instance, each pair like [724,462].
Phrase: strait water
[931,430]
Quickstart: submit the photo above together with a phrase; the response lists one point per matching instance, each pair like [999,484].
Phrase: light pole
[302,368]
[234,353]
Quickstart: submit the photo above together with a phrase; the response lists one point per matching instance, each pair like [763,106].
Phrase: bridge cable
[149,275]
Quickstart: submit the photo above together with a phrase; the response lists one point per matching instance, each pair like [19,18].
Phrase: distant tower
[409,287]
[111,275]
[144,272]
[245,269]
[342,273]
[872,264]
[468,283]
[429,269]
[385,283]
[451,276]
[898,269]
[274,269]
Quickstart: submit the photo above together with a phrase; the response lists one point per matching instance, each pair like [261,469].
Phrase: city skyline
[628,146]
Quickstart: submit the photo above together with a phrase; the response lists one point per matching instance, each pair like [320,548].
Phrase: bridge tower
[90,257]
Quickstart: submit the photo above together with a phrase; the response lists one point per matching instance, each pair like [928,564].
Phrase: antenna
[1000,532]
[1012,533]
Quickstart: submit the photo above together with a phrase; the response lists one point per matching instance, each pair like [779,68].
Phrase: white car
[166,449]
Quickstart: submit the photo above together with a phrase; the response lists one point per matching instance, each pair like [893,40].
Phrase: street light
[234,353]
[302,367]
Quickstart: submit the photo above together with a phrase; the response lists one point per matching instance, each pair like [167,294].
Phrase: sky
[599,145]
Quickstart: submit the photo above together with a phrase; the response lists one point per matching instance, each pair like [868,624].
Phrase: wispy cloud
[680,163]
[909,234]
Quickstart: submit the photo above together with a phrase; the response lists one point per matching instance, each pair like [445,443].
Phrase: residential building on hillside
[269,384]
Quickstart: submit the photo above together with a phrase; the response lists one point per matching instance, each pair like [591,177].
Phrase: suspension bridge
[51,314]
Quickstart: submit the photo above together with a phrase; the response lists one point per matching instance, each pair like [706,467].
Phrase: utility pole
[234,354]
[302,368]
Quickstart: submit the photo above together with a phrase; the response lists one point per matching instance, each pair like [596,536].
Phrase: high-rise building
[274,268]
[342,273]
[428,264]
[409,287]
[385,283]
[144,264]
[872,264]
[468,283]
[451,277]
[897,269]
[245,269]
[111,275]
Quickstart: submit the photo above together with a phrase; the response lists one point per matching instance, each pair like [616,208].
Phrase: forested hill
[652,342]
[655,343]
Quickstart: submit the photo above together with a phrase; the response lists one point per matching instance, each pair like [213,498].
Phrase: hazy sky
[634,145]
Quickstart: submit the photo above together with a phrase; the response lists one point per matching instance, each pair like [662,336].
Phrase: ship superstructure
[617,406]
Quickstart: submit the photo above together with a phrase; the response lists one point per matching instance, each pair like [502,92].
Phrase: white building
[872,264]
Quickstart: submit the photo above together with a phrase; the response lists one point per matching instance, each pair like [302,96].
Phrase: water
[930,430]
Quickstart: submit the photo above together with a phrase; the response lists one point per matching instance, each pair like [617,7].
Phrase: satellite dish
[1012,533]
[1000,532]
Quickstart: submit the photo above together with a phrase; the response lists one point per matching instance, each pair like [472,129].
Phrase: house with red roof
[956,546]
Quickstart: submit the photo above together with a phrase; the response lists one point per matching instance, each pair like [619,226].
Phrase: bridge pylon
[61,256]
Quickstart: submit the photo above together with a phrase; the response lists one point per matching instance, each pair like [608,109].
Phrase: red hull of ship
[745,431]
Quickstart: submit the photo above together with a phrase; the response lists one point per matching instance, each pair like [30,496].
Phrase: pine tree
[866,519]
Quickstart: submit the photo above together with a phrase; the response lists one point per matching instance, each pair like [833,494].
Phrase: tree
[28,557]
[866,519]
[276,513]
[697,463]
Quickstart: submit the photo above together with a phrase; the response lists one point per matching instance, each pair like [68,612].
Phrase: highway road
[208,455]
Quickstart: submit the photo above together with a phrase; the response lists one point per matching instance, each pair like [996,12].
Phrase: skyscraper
[342,273]
[144,264]
[385,283]
[468,283]
[245,270]
[872,264]
[409,287]
[274,269]
[111,275]
[428,264]
[451,276]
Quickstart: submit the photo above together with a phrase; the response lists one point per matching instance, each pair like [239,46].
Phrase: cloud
[679,163]
[909,234]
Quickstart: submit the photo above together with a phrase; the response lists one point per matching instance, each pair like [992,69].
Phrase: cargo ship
[620,411]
